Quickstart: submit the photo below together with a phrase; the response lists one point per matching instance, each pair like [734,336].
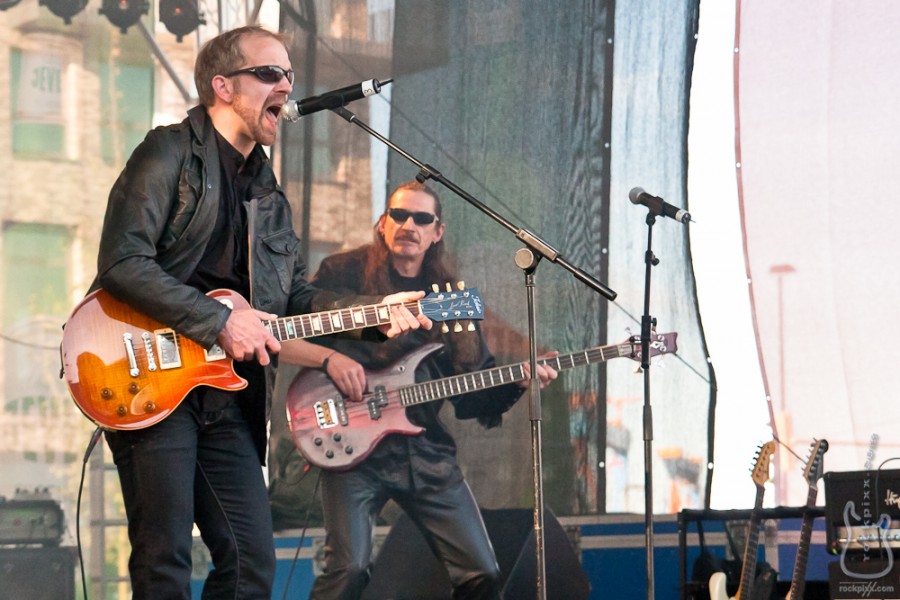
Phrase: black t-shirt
[226,260]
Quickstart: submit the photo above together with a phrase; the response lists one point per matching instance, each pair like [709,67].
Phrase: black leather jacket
[160,215]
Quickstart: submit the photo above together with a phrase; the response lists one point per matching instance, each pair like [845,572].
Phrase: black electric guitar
[760,474]
[333,433]
[812,472]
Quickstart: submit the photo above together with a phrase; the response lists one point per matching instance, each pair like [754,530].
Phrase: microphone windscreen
[635,195]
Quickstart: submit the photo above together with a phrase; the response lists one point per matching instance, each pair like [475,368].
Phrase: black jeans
[449,520]
[195,467]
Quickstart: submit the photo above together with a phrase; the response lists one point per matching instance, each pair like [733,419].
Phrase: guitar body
[117,392]
[336,434]
[717,587]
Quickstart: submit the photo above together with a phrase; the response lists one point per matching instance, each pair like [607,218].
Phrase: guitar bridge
[330,413]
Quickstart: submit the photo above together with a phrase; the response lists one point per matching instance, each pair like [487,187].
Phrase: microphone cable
[95,437]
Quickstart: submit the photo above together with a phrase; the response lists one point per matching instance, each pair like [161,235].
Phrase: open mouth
[273,112]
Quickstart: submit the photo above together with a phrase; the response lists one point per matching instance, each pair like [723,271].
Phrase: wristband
[324,366]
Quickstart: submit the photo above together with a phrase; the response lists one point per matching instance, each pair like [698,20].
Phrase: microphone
[294,109]
[658,206]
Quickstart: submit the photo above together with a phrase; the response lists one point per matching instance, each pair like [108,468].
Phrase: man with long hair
[420,473]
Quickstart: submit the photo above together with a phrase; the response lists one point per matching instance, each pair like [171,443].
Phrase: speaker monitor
[37,573]
[511,532]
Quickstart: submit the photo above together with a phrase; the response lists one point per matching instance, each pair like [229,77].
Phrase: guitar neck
[748,572]
[438,389]
[798,579]
[334,321]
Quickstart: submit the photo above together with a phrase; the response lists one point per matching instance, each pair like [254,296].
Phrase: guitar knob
[133,388]
[336,437]
[121,410]
[106,393]
[318,441]
[149,406]
[329,454]
[349,449]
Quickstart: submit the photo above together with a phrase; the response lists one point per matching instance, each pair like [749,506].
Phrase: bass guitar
[760,474]
[127,371]
[333,433]
[812,472]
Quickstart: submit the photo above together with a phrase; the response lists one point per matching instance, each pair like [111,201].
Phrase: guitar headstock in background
[760,470]
[814,467]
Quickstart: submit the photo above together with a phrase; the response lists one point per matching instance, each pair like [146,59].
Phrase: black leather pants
[449,520]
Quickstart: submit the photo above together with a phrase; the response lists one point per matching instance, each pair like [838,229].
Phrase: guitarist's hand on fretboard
[402,319]
[546,373]
[245,337]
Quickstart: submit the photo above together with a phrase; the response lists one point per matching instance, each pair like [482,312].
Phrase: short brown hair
[223,54]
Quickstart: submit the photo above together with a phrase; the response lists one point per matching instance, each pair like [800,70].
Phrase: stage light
[124,13]
[7,4]
[64,9]
[180,16]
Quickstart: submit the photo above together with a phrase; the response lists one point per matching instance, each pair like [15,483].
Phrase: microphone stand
[526,259]
[647,325]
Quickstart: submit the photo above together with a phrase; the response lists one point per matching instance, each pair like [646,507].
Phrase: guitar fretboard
[333,321]
[798,580]
[748,573]
[480,380]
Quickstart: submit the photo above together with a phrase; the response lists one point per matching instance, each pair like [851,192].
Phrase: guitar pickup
[378,401]
[330,413]
[167,349]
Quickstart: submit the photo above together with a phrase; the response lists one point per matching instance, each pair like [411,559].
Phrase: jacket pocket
[278,254]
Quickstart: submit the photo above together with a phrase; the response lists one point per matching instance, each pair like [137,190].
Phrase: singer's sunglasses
[401,215]
[266,73]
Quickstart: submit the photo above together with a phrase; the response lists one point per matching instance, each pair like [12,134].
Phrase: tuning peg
[461,285]
[457,327]
[470,326]
[444,328]
[449,287]
[435,288]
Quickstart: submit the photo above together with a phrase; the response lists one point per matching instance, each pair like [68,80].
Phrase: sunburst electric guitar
[128,371]
[812,472]
[760,474]
[335,434]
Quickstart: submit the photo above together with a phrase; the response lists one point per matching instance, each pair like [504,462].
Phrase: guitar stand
[527,259]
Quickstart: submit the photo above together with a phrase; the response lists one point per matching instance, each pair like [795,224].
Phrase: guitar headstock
[660,343]
[812,470]
[760,470]
[453,305]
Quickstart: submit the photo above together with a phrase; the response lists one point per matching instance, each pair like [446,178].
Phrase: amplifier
[31,522]
[862,511]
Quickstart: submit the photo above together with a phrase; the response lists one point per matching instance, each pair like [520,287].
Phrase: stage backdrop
[549,117]
[817,146]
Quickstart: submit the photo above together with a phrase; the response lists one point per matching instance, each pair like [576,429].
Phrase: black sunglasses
[401,215]
[266,73]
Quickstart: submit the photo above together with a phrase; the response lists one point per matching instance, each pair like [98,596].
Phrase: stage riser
[611,552]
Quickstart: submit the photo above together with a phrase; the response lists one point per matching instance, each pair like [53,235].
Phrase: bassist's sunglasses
[401,215]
